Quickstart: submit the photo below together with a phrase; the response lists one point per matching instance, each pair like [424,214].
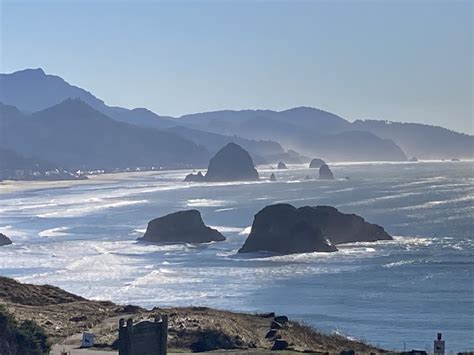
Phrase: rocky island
[325,173]
[231,163]
[285,229]
[4,240]
[282,166]
[316,163]
[180,227]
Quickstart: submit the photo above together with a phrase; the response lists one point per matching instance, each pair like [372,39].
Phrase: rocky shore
[193,329]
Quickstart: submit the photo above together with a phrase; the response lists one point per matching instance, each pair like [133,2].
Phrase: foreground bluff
[4,240]
[285,229]
[231,163]
[181,227]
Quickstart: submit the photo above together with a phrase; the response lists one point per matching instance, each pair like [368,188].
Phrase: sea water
[394,294]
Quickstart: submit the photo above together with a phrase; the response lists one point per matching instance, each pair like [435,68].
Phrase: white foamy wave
[246,230]
[139,231]
[84,210]
[398,263]
[226,229]
[225,209]
[54,232]
[203,202]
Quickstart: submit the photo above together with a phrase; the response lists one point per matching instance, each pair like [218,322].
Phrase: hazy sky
[396,60]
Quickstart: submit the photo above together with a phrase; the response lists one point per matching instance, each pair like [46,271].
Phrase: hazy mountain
[262,151]
[32,90]
[422,141]
[75,135]
[306,130]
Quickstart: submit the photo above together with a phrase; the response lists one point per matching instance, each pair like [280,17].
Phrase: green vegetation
[25,338]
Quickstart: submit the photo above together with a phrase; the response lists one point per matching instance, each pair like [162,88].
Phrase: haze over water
[82,238]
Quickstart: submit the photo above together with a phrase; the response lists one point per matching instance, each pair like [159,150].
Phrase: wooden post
[122,339]
[129,342]
[164,335]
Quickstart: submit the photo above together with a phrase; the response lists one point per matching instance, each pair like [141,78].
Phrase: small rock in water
[273,177]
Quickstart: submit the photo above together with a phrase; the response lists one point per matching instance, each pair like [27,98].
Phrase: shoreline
[12,186]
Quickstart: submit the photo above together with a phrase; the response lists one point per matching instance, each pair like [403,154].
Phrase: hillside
[62,314]
[422,141]
[74,135]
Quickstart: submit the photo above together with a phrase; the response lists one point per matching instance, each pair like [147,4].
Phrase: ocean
[396,294]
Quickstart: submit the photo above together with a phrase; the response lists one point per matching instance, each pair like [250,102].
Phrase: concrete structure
[143,338]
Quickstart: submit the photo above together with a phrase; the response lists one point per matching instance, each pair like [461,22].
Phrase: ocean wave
[84,210]
[54,232]
[227,229]
[203,202]
[398,263]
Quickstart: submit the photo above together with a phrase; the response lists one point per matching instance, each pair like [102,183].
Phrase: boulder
[285,229]
[276,325]
[316,163]
[325,173]
[273,177]
[282,165]
[280,229]
[231,163]
[181,227]
[281,319]
[4,240]
[194,177]
[271,334]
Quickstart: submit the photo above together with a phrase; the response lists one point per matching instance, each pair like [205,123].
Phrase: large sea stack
[4,240]
[316,163]
[325,172]
[181,227]
[282,166]
[231,163]
[285,229]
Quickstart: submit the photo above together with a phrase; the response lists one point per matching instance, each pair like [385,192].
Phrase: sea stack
[281,230]
[273,177]
[285,229]
[4,240]
[413,159]
[316,163]
[194,177]
[325,173]
[180,227]
[282,166]
[231,163]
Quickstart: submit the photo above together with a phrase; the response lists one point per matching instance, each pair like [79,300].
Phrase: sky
[404,60]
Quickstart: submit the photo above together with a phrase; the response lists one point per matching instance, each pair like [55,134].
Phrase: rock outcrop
[194,177]
[231,163]
[316,163]
[4,240]
[282,166]
[273,177]
[281,229]
[180,227]
[285,229]
[325,172]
